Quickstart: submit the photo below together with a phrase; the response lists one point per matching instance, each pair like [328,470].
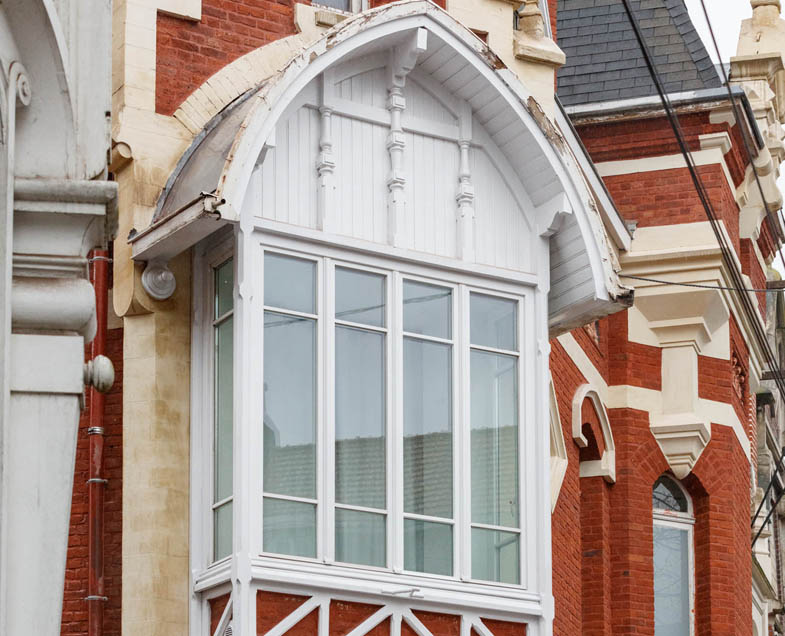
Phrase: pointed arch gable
[216,173]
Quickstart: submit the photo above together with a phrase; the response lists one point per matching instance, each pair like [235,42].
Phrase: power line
[698,285]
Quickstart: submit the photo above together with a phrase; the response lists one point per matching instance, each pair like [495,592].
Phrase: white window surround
[683,522]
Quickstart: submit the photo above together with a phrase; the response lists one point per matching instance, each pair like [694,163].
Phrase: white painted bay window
[391,405]
[222,333]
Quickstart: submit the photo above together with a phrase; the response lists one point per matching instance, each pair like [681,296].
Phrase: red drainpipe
[96,484]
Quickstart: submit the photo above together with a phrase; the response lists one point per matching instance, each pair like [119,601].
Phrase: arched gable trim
[605,466]
[220,163]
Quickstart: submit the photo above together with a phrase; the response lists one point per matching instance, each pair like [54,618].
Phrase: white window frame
[355,6]
[523,597]
[684,521]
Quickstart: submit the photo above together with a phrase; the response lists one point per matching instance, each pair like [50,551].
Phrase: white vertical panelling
[501,235]
[369,88]
[361,171]
[432,166]
[286,188]
[422,104]
[289,179]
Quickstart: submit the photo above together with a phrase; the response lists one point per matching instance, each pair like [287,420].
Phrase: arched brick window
[674,570]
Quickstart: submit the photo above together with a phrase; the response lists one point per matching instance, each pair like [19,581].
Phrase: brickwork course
[602,532]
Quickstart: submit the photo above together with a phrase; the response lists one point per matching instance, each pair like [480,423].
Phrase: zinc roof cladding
[605,63]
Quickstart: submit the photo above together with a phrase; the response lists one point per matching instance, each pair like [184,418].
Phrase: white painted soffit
[221,159]
[613,220]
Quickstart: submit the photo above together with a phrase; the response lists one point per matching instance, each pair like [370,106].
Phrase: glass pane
[427,423]
[360,464]
[223,411]
[671,582]
[494,439]
[289,283]
[224,288]
[667,495]
[289,405]
[427,547]
[494,322]
[495,556]
[222,531]
[342,5]
[427,309]
[359,297]
[289,527]
[360,537]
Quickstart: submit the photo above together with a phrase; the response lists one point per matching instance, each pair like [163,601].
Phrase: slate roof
[604,62]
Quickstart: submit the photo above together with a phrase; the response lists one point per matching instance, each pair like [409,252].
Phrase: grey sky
[726,17]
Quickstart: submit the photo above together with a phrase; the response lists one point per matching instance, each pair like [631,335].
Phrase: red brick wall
[566,518]
[188,52]
[667,197]
[631,363]
[74,620]
[552,10]
[750,265]
[596,585]
[651,137]
[272,607]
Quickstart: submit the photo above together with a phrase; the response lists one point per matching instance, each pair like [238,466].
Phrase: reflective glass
[223,411]
[427,423]
[495,556]
[427,547]
[360,537]
[671,581]
[494,439]
[222,531]
[427,309]
[289,527]
[359,297]
[289,405]
[341,5]
[360,441]
[667,495]
[289,283]
[494,322]
[224,288]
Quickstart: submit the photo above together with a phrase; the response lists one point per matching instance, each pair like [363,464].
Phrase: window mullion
[463,506]
[395,404]
[328,444]
[526,457]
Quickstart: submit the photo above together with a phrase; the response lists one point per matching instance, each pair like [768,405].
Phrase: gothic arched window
[674,570]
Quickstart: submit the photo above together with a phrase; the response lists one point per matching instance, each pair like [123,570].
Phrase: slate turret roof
[604,62]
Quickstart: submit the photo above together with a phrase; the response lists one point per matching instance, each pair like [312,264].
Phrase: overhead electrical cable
[698,285]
